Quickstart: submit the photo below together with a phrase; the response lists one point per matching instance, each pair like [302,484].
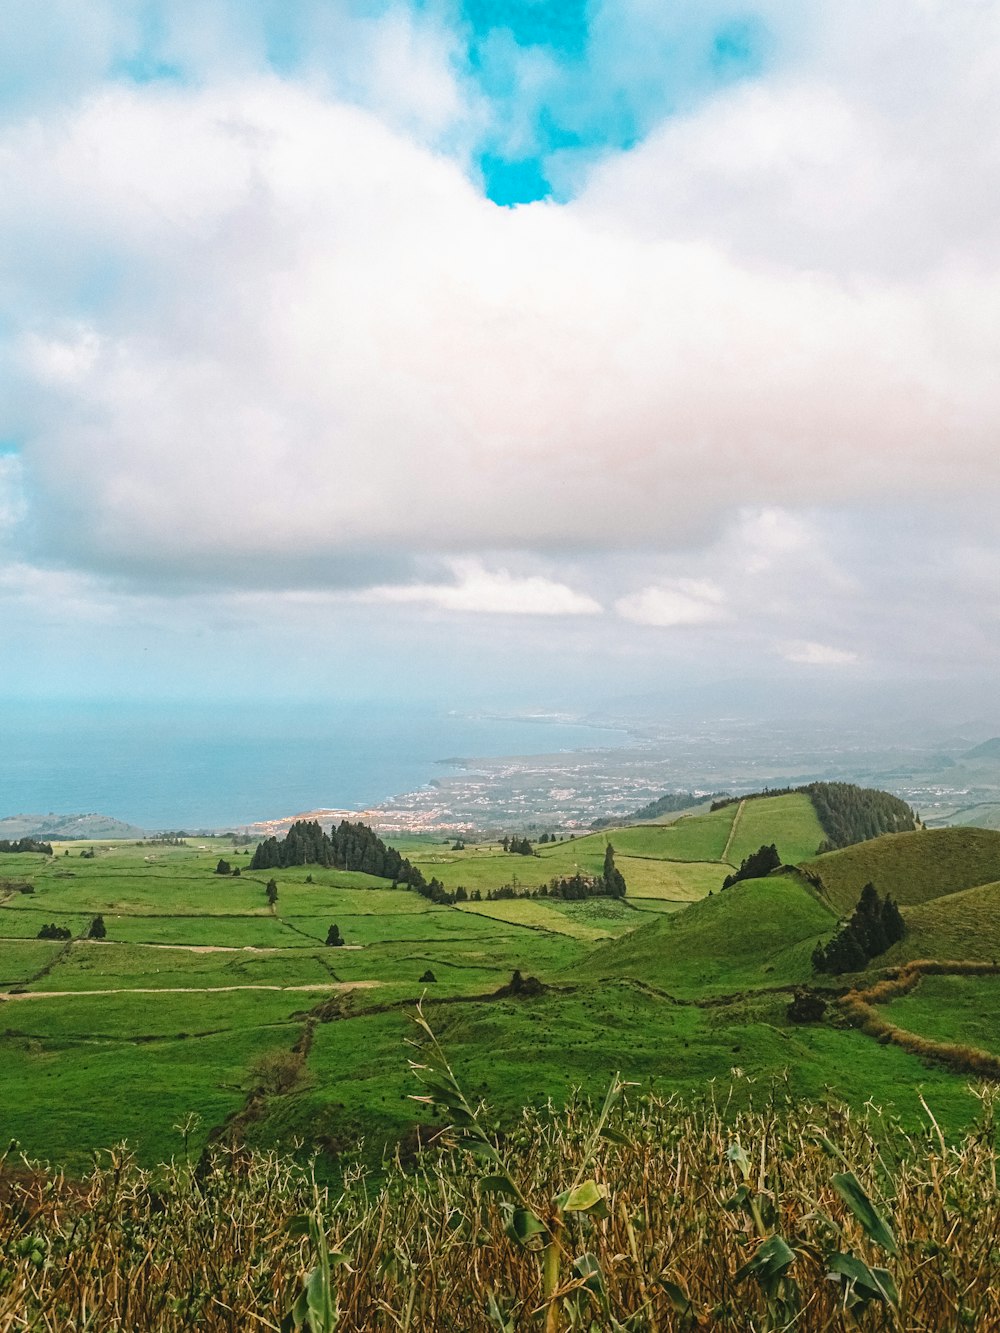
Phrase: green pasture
[675,986]
[21,959]
[964,1011]
[677,881]
[529,1052]
[63,1099]
[104,965]
[536,914]
[913,868]
[787,821]
[759,933]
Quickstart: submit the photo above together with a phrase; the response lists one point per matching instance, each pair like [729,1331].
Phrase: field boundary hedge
[858,1007]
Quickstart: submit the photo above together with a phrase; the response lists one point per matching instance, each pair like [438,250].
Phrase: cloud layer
[262,329]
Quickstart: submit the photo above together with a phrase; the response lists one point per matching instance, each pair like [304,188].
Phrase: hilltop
[66,828]
[912,867]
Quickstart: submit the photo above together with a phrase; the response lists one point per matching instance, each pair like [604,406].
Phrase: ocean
[175,766]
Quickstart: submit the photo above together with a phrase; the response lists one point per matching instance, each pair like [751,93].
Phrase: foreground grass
[668,1219]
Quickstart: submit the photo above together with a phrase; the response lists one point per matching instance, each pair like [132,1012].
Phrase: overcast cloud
[731,389]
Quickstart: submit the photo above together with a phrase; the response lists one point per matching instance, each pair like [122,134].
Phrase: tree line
[25,845]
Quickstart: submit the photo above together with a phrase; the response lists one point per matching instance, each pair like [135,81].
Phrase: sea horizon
[164,766]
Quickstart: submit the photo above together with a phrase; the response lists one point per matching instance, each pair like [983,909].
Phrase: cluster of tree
[97,930]
[755,866]
[348,847]
[165,840]
[436,892]
[875,924]
[852,814]
[25,845]
[55,933]
[519,846]
[552,837]
[224,868]
[667,804]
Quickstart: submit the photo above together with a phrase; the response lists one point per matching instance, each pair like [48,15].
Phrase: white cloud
[685,602]
[487,592]
[807,653]
[321,330]
[13,505]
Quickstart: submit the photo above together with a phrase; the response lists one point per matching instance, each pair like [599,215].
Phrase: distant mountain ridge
[988,750]
[65,828]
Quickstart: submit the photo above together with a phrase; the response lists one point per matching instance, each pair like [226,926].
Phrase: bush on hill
[852,814]
[755,866]
[53,932]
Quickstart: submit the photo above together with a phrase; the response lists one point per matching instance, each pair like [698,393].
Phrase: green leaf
[677,1296]
[616,1136]
[862,1284]
[736,1155]
[769,1265]
[497,1185]
[876,1228]
[524,1226]
[298,1225]
[588,1268]
[583,1198]
[503,1322]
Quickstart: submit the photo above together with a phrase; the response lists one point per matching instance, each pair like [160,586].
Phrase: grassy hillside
[962,1010]
[955,926]
[912,867]
[202,987]
[760,932]
[788,821]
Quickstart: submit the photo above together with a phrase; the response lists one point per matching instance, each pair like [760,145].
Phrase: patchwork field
[203,998]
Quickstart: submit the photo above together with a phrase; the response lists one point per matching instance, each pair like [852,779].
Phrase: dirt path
[225,948]
[732,833]
[184,990]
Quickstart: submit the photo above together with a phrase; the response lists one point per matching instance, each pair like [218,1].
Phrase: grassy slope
[959,925]
[788,821]
[78,1057]
[962,1010]
[912,867]
[758,933]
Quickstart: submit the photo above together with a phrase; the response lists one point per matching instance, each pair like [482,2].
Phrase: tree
[97,929]
[334,939]
[755,866]
[223,868]
[272,891]
[614,880]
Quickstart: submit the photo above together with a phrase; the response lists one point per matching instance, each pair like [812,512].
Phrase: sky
[532,351]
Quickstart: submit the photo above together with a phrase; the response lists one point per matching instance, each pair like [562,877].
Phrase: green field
[200,984]
[960,1010]
[913,868]
[788,821]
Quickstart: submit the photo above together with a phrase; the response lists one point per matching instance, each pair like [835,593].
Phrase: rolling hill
[912,868]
